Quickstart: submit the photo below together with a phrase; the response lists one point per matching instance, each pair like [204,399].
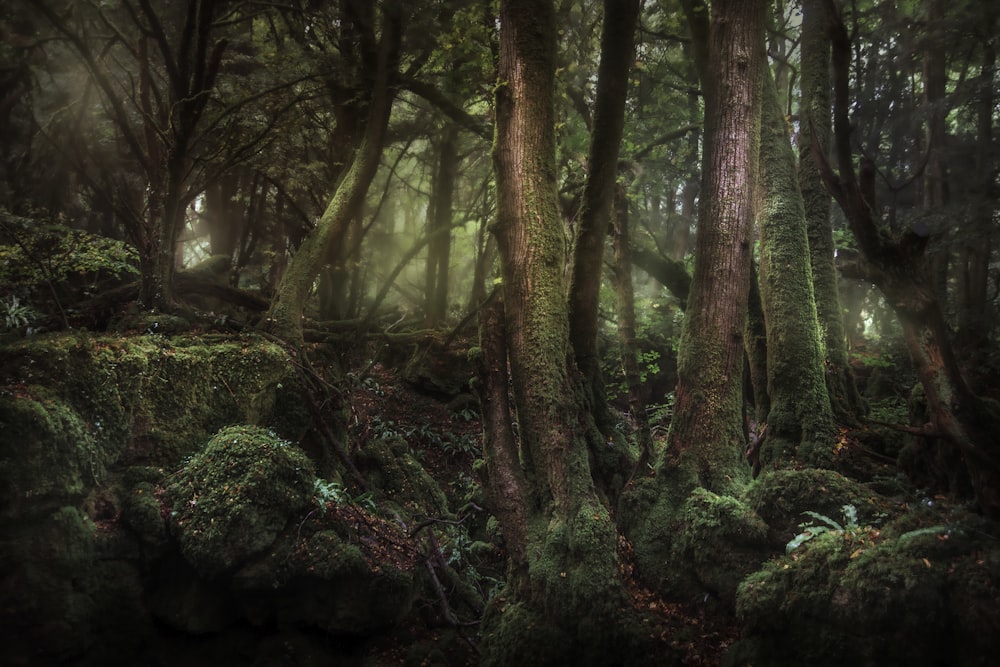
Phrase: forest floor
[448,442]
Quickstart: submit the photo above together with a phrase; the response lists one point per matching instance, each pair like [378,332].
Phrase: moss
[52,455]
[389,467]
[151,399]
[519,635]
[233,498]
[837,599]
[143,514]
[47,588]
[721,540]
[780,498]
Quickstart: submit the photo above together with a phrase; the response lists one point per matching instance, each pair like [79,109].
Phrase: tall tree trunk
[617,50]
[439,247]
[706,439]
[566,601]
[845,400]
[284,317]
[800,421]
[626,329]
[898,268]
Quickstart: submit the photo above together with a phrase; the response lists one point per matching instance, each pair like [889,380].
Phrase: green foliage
[326,492]
[15,314]
[811,530]
[34,252]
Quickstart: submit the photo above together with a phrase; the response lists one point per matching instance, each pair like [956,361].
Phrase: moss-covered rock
[395,474]
[720,541]
[861,596]
[782,497]
[234,497]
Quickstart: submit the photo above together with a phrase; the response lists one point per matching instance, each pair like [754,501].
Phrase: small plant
[328,492]
[15,313]
[325,492]
[811,530]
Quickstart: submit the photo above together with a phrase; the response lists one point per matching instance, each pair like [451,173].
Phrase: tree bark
[846,402]
[571,603]
[800,420]
[284,317]
[706,440]
[617,51]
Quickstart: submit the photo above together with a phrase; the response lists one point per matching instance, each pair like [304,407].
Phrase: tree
[284,317]
[897,266]
[706,439]
[563,601]
[814,105]
[799,419]
[161,116]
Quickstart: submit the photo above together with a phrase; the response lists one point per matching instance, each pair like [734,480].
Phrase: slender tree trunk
[800,420]
[617,50]
[439,248]
[284,318]
[846,402]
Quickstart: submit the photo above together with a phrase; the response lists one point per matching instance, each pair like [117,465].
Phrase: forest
[499,332]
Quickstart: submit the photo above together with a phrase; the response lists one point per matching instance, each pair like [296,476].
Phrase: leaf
[825,519]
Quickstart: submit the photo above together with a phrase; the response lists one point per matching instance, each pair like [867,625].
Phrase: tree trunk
[284,318]
[800,421]
[706,439]
[617,50]
[569,606]
[845,400]
[439,248]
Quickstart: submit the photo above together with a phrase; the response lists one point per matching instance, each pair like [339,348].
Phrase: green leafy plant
[325,492]
[16,314]
[826,525]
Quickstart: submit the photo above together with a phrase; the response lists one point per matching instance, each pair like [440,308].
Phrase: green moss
[143,514]
[152,399]
[233,498]
[780,498]
[519,635]
[839,598]
[389,467]
[51,455]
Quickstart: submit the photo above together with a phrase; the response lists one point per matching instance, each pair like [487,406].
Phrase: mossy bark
[800,420]
[845,400]
[617,53]
[284,317]
[706,439]
[567,591]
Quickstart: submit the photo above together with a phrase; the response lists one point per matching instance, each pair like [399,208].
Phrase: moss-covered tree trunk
[706,439]
[284,317]
[799,421]
[685,523]
[845,401]
[563,604]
